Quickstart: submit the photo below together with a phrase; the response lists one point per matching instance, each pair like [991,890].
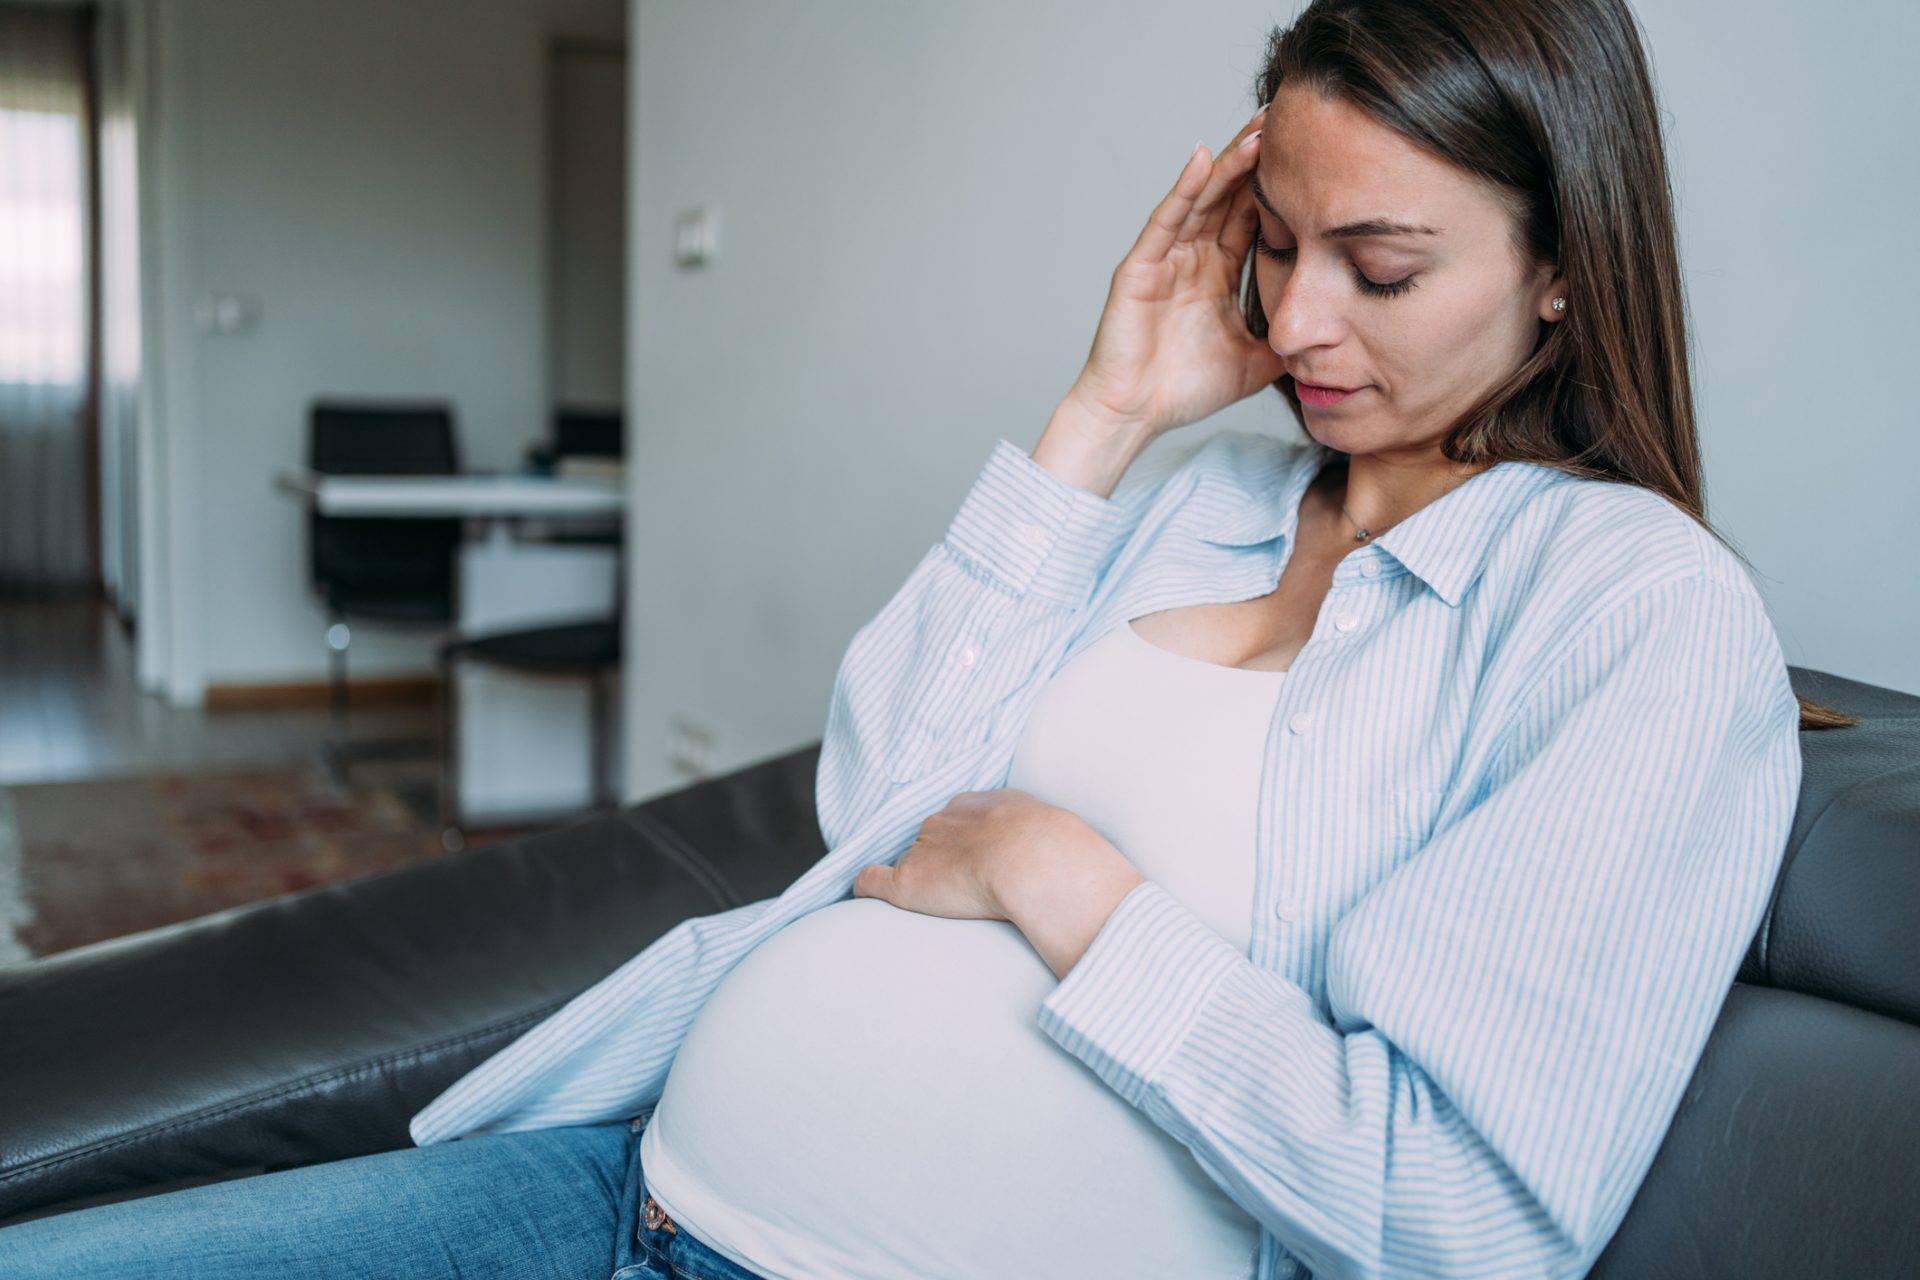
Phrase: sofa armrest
[312,1026]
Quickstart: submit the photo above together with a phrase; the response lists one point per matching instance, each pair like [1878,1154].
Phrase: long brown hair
[1549,102]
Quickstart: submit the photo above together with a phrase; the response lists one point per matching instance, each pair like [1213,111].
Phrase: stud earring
[1559,304]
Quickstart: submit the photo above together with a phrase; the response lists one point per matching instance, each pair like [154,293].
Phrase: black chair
[588,648]
[580,432]
[589,433]
[395,571]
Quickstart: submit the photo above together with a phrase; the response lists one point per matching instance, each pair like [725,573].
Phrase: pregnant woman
[1309,858]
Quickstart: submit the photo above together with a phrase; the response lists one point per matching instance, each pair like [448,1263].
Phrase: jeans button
[656,1218]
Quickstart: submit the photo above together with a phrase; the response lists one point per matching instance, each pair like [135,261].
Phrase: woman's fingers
[1238,221]
[1196,191]
[1164,223]
[1228,176]
[1235,160]
[1209,213]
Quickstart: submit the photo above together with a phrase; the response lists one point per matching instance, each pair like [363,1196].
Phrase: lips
[1324,386]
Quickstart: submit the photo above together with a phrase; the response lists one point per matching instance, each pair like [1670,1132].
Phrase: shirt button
[1300,721]
[1345,622]
[969,655]
[1033,535]
[1287,908]
[1369,568]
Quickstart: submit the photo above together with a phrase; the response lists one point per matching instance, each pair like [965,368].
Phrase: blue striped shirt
[1525,794]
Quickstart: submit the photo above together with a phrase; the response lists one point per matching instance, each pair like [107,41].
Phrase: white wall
[374,173]
[1795,175]
[922,205]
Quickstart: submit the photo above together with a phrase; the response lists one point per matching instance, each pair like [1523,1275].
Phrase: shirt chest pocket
[1363,837]
[1412,815]
[981,683]
[941,704]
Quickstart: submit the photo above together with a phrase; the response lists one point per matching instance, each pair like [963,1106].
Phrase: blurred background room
[425,420]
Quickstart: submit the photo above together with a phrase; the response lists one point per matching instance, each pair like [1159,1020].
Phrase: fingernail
[1196,150]
[1252,137]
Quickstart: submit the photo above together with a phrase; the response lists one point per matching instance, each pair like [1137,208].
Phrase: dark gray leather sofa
[311,1027]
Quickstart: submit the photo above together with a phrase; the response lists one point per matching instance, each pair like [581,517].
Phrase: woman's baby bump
[868,1064]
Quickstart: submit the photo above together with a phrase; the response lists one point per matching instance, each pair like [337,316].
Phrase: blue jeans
[564,1203]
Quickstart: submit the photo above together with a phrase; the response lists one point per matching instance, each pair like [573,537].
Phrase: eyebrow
[1351,230]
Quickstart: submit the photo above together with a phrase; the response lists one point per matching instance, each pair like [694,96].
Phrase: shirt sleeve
[971,625]
[1515,1012]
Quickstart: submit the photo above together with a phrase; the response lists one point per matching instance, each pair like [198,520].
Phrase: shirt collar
[1444,543]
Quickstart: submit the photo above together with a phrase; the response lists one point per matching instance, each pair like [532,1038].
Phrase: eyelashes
[1372,288]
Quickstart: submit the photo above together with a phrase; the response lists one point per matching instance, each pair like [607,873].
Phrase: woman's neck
[1378,493]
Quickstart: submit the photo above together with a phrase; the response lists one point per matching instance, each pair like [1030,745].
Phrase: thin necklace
[1364,534]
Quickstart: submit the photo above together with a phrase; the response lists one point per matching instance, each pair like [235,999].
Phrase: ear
[1552,285]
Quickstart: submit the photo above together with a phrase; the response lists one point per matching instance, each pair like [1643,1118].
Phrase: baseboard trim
[303,695]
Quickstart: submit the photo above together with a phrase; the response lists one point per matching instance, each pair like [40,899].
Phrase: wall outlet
[690,747]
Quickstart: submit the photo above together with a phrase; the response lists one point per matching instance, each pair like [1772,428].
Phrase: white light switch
[229,314]
[696,237]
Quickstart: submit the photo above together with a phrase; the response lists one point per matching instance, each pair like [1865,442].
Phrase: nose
[1306,312]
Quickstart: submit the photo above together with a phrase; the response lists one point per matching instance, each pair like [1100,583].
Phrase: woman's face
[1424,321]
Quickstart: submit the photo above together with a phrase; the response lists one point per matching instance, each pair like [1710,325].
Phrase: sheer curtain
[44,287]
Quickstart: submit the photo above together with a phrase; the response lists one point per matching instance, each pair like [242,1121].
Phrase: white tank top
[867,1095]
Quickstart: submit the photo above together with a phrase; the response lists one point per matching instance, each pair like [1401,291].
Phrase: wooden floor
[70,707]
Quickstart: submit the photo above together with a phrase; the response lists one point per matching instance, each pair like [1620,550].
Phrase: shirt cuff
[1032,532]
[1139,990]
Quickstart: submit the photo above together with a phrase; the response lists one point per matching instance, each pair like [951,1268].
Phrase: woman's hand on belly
[1005,855]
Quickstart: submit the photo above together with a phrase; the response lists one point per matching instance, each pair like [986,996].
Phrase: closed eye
[1372,288]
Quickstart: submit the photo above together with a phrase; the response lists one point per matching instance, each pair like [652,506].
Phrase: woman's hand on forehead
[1172,347]
[1205,198]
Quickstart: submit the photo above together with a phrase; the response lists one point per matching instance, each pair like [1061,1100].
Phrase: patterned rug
[83,861]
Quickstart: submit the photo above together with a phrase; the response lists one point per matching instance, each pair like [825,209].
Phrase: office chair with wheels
[394,571]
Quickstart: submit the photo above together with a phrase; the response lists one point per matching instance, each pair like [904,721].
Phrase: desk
[523,738]
[473,496]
